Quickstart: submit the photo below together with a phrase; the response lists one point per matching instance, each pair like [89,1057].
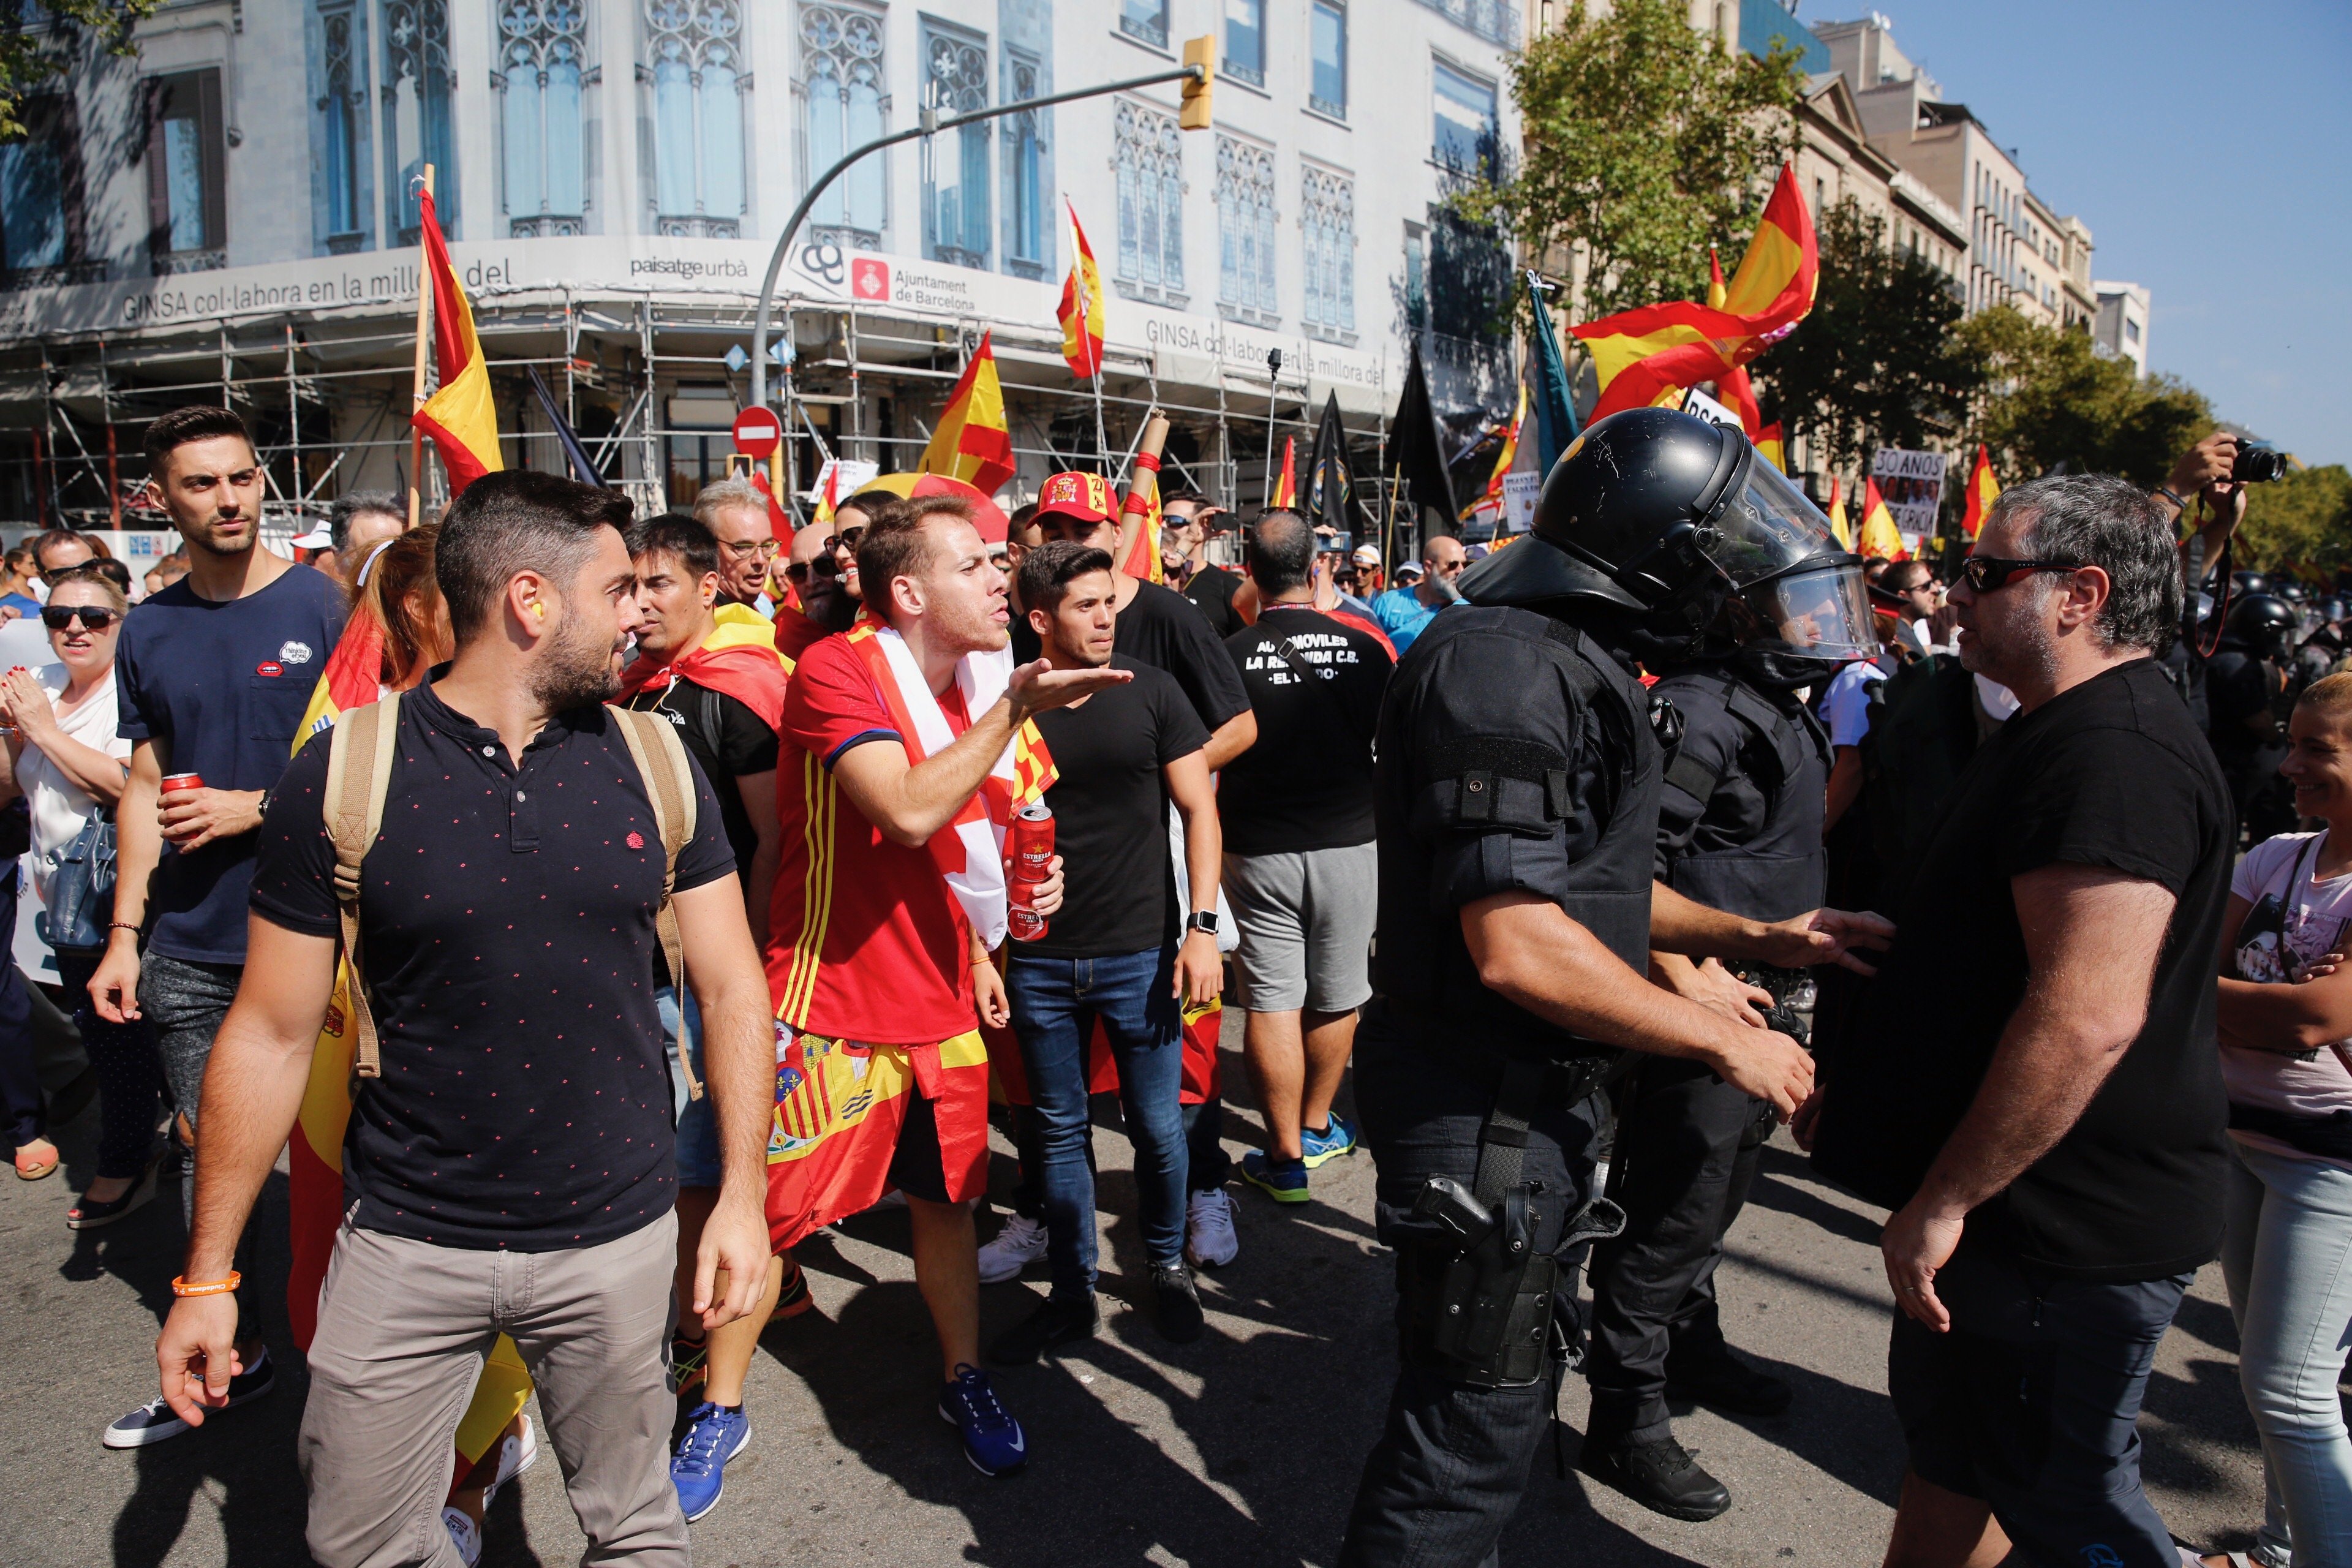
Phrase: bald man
[1404,612]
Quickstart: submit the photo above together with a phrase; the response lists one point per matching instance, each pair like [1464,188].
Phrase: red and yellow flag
[1773,447]
[1880,537]
[1081,311]
[1639,354]
[1286,487]
[1839,525]
[1983,489]
[972,442]
[1492,496]
[1143,496]
[1732,387]
[460,416]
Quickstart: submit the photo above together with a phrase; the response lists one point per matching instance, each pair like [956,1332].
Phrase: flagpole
[423,332]
[1102,441]
[1273,382]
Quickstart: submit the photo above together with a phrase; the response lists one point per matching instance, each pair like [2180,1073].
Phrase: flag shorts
[854,1120]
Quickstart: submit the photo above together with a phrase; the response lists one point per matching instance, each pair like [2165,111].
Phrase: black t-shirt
[729,743]
[1213,588]
[1167,631]
[2110,774]
[1110,814]
[1307,783]
[507,934]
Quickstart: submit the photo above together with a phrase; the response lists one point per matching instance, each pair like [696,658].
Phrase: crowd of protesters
[2099,766]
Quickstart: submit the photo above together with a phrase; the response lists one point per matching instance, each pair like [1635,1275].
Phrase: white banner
[1912,484]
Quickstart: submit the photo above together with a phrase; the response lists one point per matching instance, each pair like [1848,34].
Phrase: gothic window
[955,167]
[1150,159]
[1028,243]
[1145,19]
[1327,215]
[41,229]
[187,173]
[1246,230]
[841,76]
[697,50]
[341,105]
[419,91]
[543,55]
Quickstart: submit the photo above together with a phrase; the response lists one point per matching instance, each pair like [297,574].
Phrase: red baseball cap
[1075,493]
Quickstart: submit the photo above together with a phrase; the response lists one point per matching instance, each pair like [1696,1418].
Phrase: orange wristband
[180,1287]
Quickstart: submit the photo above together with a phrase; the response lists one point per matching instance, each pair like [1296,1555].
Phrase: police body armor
[1782,870]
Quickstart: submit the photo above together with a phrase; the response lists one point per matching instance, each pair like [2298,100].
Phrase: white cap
[318,538]
[1367,555]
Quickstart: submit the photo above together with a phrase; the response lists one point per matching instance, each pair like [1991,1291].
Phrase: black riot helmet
[2243,583]
[1688,542]
[2263,623]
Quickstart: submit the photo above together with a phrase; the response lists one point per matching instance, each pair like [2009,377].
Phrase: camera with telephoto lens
[2257,465]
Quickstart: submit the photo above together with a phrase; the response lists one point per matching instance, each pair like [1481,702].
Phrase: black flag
[583,468]
[1417,451]
[1332,499]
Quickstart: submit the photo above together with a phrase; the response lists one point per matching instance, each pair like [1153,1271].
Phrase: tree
[2051,399]
[1646,142]
[1874,365]
[2307,516]
[29,59]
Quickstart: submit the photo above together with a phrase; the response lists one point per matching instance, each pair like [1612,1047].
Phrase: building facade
[2121,326]
[233,214]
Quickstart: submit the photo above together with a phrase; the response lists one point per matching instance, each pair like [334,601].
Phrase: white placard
[1912,484]
[1708,408]
[1519,493]
[855,475]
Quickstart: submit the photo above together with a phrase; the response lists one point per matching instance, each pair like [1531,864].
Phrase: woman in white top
[70,766]
[2285,1017]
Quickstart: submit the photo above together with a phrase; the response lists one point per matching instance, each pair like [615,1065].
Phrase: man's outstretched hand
[1039,687]
[1827,936]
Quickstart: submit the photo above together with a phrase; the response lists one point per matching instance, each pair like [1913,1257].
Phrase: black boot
[1708,1374]
[1660,1475]
[1057,1321]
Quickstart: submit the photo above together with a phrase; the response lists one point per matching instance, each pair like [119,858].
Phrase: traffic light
[1201,52]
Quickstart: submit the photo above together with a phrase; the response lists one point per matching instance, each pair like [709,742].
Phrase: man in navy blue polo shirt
[212,675]
[512,1170]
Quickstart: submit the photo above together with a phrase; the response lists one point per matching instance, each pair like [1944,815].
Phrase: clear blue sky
[2206,148]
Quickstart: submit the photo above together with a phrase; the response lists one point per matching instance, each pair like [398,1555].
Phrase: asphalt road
[1240,1450]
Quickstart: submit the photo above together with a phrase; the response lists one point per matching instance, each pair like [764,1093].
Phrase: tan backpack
[359,777]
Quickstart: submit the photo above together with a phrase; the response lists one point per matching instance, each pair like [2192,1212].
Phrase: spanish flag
[1732,387]
[1773,447]
[460,416]
[1839,525]
[1641,354]
[1286,485]
[1879,535]
[1143,497]
[1493,494]
[1983,489]
[1081,310]
[974,443]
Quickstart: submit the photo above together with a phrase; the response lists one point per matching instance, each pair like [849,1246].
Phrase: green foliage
[2051,399]
[1874,365]
[1648,141]
[29,59]
[2307,516]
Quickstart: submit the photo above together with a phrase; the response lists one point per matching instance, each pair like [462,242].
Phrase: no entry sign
[758,432]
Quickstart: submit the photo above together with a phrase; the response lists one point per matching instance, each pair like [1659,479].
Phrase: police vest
[1783,869]
[1514,733]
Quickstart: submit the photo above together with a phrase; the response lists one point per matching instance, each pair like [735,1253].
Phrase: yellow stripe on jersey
[820,797]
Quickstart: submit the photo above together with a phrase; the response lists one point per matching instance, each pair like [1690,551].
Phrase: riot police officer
[1516,809]
[2246,687]
[1739,830]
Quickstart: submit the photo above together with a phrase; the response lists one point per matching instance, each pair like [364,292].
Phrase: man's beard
[234,547]
[577,671]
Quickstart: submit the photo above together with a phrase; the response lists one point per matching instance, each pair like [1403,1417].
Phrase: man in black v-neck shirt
[2034,1083]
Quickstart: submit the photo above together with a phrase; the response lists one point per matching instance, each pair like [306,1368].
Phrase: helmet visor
[1822,612]
[1767,527]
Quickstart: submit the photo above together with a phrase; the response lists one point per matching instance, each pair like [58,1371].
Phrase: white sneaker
[1209,1238]
[1020,1243]
[516,1455]
[464,1533]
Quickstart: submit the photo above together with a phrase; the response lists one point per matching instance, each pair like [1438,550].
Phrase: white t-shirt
[1845,706]
[2288,927]
[59,806]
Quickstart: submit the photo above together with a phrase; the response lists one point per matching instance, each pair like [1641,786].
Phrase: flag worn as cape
[740,659]
[1285,483]
[972,442]
[1880,537]
[1556,423]
[584,467]
[1983,489]
[1331,500]
[1643,354]
[460,416]
[1417,449]
[1081,310]
[1839,525]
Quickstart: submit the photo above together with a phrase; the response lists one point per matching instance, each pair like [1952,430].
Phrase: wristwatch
[1202,920]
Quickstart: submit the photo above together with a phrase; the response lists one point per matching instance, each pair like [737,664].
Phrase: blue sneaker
[714,1435]
[1338,1139]
[992,1440]
[1284,1183]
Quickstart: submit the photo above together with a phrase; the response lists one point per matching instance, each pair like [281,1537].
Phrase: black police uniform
[2241,685]
[1739,830]
[1515,755]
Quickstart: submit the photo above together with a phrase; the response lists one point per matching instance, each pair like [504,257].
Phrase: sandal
[37,1167]
[89,1215]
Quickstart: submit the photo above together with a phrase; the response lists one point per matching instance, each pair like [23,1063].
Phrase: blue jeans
[1056,1001]
[697,1128]
[2287,1257]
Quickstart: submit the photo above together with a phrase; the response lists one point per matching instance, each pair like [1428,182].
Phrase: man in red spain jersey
[905,743]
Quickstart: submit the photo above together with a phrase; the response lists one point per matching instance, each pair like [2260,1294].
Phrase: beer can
[1032,843]
[176,782]
[1022,923]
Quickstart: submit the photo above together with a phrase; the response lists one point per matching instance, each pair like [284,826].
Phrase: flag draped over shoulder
[460,416]
[1081,310]
[1555,405]
[740,659]
[1880,537]
[1983,490]
[1643,354]
[974,443]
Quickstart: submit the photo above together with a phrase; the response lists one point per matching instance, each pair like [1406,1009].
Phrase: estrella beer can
[174,782]
[1033,862]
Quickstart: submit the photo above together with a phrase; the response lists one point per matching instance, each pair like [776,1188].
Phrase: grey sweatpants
[403,1328]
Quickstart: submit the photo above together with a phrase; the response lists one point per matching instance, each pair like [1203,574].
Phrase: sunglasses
[1984,573]
[847,539]
[801,571]
[97,617]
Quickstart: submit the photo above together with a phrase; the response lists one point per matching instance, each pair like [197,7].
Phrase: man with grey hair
[2050,1133]
[736,514]
[355,526]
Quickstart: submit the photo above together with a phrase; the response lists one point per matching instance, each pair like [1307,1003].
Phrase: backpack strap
[668,778]
[359,776]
